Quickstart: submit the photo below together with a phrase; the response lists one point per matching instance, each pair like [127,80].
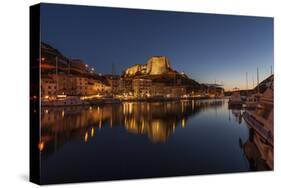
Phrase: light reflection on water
[165,138]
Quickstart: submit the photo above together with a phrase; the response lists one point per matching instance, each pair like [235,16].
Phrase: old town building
[141,87]
[48,86]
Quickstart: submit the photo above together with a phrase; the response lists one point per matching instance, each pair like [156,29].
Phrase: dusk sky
[207,47]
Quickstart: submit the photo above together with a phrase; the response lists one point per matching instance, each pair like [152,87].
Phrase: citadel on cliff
[156,65]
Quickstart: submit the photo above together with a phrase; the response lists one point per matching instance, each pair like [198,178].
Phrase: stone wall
[155,65]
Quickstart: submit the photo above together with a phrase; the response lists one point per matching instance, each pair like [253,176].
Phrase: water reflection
[237,114]
[158,121]
[258,152]
[166,139]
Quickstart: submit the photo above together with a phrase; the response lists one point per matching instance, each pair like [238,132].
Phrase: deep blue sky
[207,47]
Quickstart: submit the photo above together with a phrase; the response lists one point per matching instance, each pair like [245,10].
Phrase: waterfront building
[77,66]
[213,90]
[80,85]
[157,89]
[125,86]
[72,85]
[64,84]
[52,61]
[176,91]
[141,87]
[162,90]
[48,86]
[97,87]
[114,82]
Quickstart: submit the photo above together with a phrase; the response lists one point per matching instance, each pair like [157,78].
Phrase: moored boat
[252,101]
[235,100]
[261,119]
[258,152]
[63,100]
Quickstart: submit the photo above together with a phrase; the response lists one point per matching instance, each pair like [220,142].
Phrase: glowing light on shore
[183,123]
[41,146]
[192,104]
[142,125]
[86,137]
[62,96]
[92,132]
[100,124]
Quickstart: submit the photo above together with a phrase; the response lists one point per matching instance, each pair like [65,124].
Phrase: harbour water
[142,139]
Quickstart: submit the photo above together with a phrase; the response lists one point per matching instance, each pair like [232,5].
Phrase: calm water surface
[138,140]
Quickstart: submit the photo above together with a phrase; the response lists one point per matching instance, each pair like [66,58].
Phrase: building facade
[114,83]
[141,87]
[48,87]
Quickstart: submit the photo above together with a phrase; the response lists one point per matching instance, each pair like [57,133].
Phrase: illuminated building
[141,87]
[80,85]
[157,89]
[97,87]
[114,83]
[125,86]
[52,61]
[48,86]
[78,66]
[155,65]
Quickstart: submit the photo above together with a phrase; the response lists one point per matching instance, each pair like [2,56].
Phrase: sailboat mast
[247,83]
[56,74]
[258,81]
